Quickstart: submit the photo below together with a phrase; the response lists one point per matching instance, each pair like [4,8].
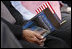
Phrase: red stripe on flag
[47,5]
[36,11]
[44,6]
[40,8]
[51,7]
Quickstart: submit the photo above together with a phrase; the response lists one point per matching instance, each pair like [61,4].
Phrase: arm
[18,17]
[30,36]
[16,29]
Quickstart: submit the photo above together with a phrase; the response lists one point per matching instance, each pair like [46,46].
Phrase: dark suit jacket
[16,28]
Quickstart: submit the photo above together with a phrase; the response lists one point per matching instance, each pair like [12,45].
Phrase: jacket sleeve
[16,29]
[18,17]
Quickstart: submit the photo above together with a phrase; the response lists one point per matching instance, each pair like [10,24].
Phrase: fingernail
[41,36]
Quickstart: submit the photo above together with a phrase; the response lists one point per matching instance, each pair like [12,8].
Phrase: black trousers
[55,39]
[65,30]
[51,42]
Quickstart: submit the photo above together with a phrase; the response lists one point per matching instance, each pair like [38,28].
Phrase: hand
[33,37]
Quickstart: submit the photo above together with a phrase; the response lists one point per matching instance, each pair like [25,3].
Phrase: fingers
[33,37]
[37,41]
[40,37]
[44,39]
[42,44]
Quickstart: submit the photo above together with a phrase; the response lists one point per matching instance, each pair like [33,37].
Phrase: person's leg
[65,31]
[26,44]
[8,40]
[54,42]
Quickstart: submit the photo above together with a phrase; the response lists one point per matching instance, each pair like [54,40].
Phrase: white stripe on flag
[45,5]
[50,8]
[41,7]
[37,11]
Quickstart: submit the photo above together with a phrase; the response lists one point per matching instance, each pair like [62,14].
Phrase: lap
[65,31]
[51,42]
[26,44]
[54,42]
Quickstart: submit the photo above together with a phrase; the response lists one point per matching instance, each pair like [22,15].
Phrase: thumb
[40,37]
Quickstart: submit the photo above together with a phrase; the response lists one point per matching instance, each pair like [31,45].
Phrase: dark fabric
[6,14]
[18,17]
[8,40]
[26,44]
[51,42]
[67,2]
[16,29]
[55,42]
[65,31]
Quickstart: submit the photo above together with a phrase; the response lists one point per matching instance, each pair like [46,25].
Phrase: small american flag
[44,6]
[36,7]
